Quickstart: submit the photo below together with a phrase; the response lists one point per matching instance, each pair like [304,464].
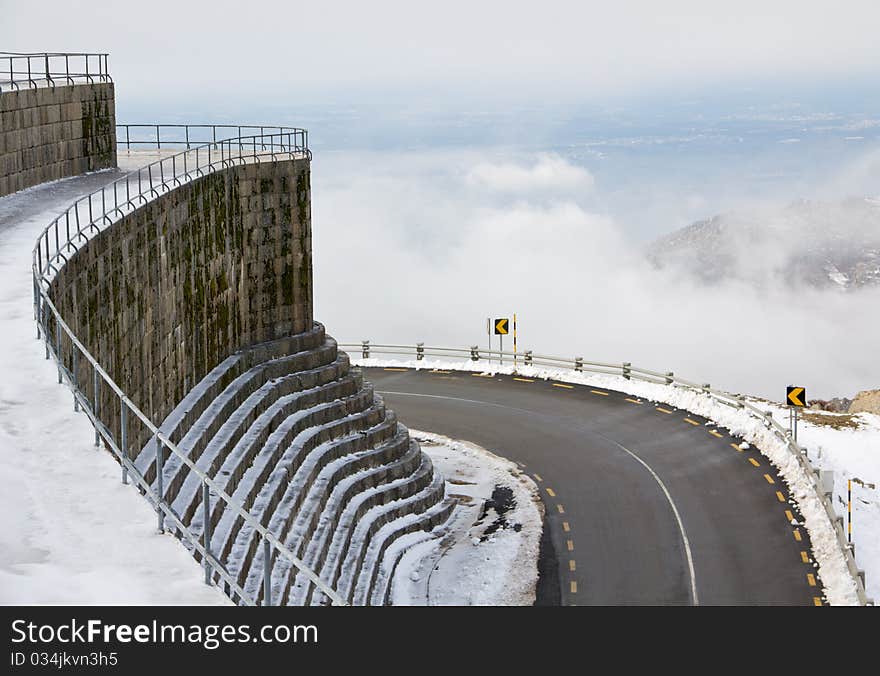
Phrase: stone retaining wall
[54,132]
[173,288]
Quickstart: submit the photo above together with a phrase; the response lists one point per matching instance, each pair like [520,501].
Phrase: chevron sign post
[795,399]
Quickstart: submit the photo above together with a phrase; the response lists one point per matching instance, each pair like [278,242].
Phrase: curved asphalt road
[645,504]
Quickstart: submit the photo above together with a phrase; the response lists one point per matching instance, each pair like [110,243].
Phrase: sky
[495,48]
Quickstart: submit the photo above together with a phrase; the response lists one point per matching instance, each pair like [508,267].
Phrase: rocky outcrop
[867,401]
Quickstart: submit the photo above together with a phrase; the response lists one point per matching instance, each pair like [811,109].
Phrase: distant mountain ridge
[824,245]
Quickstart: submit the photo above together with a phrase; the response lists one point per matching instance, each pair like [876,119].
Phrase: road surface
[645,504]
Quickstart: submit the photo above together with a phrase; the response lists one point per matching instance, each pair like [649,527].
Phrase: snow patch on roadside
[489,555]
[839,588]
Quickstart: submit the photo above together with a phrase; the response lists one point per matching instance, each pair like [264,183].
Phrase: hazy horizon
[490,158]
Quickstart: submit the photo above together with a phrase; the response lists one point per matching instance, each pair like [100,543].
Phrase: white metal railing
[61,240]
[629,372]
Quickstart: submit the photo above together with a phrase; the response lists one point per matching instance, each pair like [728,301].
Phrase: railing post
[475,353]
[160,481]
[46,329]
[95,405]
[528,357]
[74,378]
[627,370]
[58,348]
[420,351]
[578,363]
[123,436]
[670,376]
[37,301]
[706,388]
[267,572]
[206,502]
[365,349]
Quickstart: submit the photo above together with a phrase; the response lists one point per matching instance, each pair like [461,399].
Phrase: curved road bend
[645,504]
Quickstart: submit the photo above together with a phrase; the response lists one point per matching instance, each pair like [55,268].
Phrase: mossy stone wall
[164,295]
[54,132]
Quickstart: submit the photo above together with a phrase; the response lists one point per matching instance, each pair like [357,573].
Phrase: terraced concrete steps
[297,438]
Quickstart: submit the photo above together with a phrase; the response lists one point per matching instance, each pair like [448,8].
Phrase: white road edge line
[684,538]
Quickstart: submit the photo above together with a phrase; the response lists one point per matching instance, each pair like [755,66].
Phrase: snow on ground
[839,588]
[490,554]
[71,533]
[849,446]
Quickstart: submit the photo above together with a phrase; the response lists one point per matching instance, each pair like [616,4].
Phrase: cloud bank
[424,247]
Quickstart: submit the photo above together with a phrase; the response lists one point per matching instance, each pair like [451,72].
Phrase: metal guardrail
[61,239]
[630,372]
[50,69]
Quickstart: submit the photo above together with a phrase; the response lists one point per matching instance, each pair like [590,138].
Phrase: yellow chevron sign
[501,326]
[796,396]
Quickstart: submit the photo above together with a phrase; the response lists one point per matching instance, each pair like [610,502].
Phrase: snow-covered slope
[824,245]
[72,533]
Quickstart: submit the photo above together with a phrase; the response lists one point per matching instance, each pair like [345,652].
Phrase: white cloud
[550,173]
[409,251]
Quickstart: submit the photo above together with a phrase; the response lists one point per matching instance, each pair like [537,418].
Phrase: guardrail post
[475,353]
[267,572]
[420,351]
[627,370]
[670,376]
[528,357]
[706,388]
[123,435]
[578,363]
[206,503]
[365,349]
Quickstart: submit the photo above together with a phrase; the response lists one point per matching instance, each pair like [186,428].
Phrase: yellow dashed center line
[789,515]
[560,509]
[551,493]
[481,375]
[817,601]
[811,579]
[805,557]
[662,410]
[769,479]
[392,369]
[754,462]
[603,394]
[524,380]
[632,401]
[780,496]
[572,566]
[736,447]
[537,476]
[691,422]
[570,545]
[567,387]
[797,534]
[716,433]
[574,587]
[439,371]
[565,526]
